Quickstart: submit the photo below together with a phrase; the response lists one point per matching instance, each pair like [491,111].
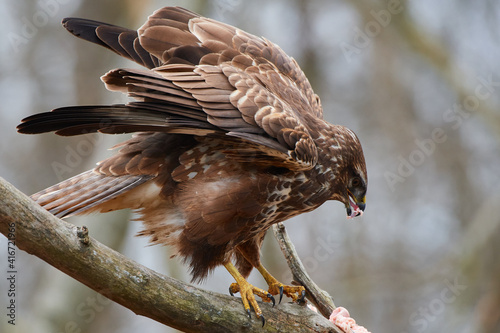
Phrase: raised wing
[205,77]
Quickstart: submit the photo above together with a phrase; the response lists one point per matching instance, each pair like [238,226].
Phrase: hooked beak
[355,207]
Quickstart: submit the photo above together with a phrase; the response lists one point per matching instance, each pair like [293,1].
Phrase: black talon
[271,298]
[263,320]
[249,314]
[281,294]
[302,298]
[230,292]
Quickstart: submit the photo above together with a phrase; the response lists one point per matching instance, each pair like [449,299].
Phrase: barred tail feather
[88,192]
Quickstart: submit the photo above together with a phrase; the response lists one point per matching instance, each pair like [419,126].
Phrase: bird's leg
[247,292]
[250,252]
[296,293]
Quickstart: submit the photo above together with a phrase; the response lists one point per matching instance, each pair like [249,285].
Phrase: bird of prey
[230,139]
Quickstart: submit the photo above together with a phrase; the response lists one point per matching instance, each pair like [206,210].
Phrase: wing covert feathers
[203,77]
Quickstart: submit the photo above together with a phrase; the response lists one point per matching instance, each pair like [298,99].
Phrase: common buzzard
[230,140]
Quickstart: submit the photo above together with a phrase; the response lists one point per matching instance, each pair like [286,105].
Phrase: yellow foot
[247,292]
[296,293]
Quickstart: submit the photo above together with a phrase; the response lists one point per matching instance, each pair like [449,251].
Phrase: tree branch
[320,298]
[144,291]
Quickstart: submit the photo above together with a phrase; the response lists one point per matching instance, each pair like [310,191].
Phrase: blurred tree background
[418,81]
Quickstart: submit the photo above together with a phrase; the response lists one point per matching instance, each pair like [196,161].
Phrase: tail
[89,192]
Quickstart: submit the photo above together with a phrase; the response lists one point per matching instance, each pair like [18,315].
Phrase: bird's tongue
[355,211]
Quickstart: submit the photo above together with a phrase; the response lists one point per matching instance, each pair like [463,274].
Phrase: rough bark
[142,290]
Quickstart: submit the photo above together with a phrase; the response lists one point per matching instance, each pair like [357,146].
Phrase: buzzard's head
[351,174]
[355,196]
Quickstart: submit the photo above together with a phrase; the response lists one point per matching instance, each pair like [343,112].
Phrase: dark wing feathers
[86,29]
[205,77]
[114,119]
[122,41]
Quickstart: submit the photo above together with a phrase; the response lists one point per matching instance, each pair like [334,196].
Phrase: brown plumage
[231,139]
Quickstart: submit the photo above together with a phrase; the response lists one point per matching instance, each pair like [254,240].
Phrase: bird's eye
[356,182]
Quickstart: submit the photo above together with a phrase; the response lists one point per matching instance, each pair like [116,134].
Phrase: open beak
[355,206]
